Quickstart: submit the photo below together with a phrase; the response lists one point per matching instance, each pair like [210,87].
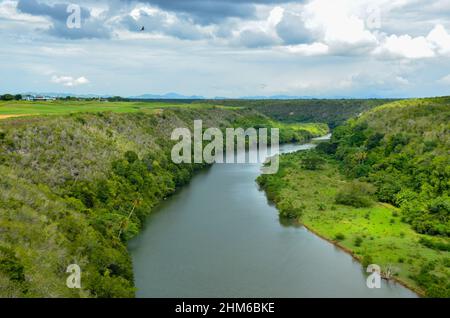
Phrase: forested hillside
[76,188]
[398,155]
[331,111]
[403,148]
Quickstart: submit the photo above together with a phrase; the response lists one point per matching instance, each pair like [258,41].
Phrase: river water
[219,237]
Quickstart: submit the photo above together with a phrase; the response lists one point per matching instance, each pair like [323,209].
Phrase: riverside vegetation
[380,190]
[74,188]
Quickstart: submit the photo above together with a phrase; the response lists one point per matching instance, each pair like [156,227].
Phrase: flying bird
[143,28]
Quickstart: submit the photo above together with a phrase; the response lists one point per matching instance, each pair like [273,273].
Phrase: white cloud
[401,80]
[63,51]
[275,16]
[304,47]
[69,81]
[405,46]
[445,80]
[436,43]
[307,49]
[8,11]
[440,39]
[338,23]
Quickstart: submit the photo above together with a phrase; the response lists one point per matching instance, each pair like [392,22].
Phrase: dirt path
[10,116]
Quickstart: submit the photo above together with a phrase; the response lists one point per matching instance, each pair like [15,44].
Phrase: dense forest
[403,149]
[75,188]
[330,111]
[396,154]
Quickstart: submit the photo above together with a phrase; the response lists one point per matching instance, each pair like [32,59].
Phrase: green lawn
[374,234]
[65,107]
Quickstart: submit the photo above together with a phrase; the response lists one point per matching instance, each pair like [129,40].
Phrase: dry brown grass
[10,116]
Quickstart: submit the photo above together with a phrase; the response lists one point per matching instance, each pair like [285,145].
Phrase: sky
[227,48]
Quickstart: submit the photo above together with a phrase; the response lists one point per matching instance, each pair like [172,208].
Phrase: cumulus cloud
[339,26]
[261,33]
[436,43]
[214,11]
[205,41]
[405,46]
[91,27]
[292,30]
[161,22]
[57,11]
[69,81]
[439,39]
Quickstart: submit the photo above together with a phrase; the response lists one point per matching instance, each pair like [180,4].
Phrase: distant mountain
[285,97]
[175,96]
[166,96]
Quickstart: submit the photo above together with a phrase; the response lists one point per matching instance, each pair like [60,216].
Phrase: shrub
[435,244]
[356,194]
[339,237]
[366,260]
[10,265]
[312,161]
[358,241]
[131,156]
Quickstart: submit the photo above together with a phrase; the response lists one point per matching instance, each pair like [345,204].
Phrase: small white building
[38,98]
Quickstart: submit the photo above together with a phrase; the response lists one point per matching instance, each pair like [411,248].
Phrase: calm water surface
[219,237]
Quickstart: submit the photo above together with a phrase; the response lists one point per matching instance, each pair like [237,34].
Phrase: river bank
[75,188]
[373,235]
[219,237]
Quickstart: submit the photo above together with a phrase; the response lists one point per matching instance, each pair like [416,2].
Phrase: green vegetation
[289,133]
[9,97]
[330,111]
[374,235]
[397,154]
[59,107]
[356,194]
[75,188]
[403,149]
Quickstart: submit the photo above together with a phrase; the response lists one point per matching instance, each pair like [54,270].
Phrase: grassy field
[374,235]
[24,108]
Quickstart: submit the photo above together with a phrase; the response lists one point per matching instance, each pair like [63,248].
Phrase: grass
[376,232]
[316,129]
[23,108]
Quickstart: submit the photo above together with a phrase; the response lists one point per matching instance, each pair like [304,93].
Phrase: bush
[339,237]
[10,265]
[356,194]
[327,147]
[131,156]
[366,260]
[435,244]
[312,161]
[7,97]
[358,241]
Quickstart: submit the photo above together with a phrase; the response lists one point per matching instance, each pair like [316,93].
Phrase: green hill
[334,112]
[403,148]
[397,154]
[75,188]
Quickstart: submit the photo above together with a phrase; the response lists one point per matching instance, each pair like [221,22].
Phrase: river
[219,237]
